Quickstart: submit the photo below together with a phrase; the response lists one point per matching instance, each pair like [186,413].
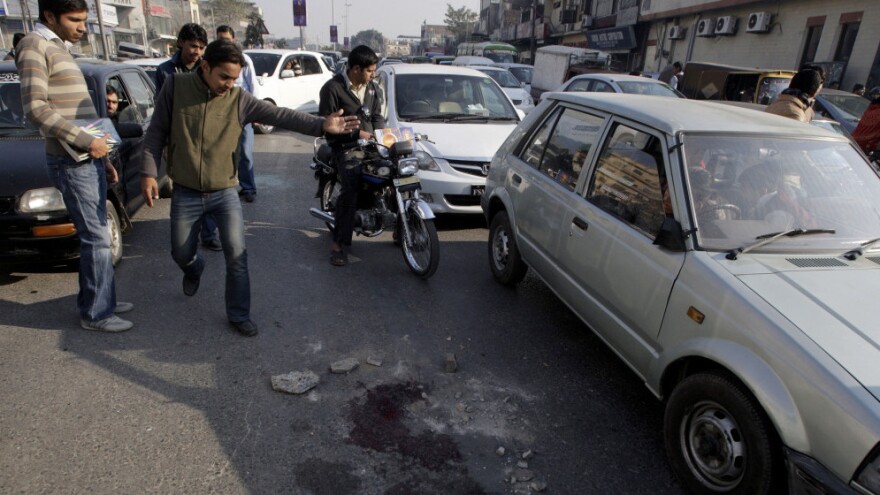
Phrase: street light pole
[101,30]
[333,18]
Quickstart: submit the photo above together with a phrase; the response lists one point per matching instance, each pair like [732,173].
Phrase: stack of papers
[98,128]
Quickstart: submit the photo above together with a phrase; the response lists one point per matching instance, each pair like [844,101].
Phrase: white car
[150,65]
[513,88]
[466,117]
[278,84]
[523,72]
[617,83]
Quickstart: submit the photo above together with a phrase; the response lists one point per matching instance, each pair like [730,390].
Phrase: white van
[465,60]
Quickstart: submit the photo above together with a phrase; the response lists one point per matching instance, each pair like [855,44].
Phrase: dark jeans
[84,189]
[188,211]
[349,169]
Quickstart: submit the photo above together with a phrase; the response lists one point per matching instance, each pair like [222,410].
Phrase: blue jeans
[189,209]
[245,177]
[84,188]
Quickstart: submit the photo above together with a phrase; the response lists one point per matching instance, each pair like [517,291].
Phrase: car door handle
[516,179]
[579,223]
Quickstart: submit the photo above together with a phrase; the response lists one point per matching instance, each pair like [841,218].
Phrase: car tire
[719,440]
[115,228]
[506,264]
[264,128]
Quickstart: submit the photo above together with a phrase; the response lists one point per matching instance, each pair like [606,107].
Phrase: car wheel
[264,128]
[718,438]
[507,266]
[115,228]
[166,188]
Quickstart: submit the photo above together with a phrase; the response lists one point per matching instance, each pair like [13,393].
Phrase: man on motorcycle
[354,92]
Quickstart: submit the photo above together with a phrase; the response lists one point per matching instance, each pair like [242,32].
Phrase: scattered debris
[374,361]
[295,382]
[524,475]
[451,363]
[538,486]
[522,464]
[528,454]
[500,451]
[344,366]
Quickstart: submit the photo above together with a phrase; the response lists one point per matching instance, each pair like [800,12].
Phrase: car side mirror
[671,236]
[285,74]
[129,130]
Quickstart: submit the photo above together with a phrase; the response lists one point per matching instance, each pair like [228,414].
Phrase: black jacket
[335,95]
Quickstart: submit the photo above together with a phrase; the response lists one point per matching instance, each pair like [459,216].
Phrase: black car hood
[22,162]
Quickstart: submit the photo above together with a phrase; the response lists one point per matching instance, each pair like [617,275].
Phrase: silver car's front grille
[480,169]
[816,262]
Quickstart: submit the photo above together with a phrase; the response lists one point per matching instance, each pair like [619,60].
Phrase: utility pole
[101,30]
[533,46]
[347,5]
[333,18]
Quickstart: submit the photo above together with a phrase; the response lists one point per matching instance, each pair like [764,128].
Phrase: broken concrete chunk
[295,382]
[538,486]
[344,366]
[524,475]
[451,363]
[500,450]
[372,361]
[528,455]
[522,464]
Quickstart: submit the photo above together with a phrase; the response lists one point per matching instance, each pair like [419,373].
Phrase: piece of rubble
[522,464]
[528,454]
[295,382]
[344,366]
[538,486]
[451,363]
[374,361]
[500,450]
[524,475]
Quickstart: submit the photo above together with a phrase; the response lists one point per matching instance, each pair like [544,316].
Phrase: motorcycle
[389,199]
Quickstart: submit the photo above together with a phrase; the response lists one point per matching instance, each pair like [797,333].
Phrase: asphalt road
[183,404]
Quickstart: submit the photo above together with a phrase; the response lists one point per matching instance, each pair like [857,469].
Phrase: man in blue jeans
[202,160]
[53,93]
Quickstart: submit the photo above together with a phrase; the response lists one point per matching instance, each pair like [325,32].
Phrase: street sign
[299,12]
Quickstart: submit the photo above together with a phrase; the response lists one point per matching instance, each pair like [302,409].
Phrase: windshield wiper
[765,239]
[429,116]
[859,251]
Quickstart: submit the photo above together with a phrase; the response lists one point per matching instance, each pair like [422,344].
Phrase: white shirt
[50,35]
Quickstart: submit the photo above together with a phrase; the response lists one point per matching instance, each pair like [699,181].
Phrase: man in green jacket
[200,117]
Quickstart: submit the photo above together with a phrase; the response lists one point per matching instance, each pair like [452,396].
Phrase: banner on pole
[299,12]
[333,37]
[346,42]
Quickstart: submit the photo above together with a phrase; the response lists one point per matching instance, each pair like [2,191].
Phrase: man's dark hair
[225,29]
[858,87]
[192,32]
[16,38]
[60,7]
[223,52]
[806,80]
[362,56]
[677,66]
[817,68]
[112,91]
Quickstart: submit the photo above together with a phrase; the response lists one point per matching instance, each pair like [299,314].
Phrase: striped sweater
[53,92]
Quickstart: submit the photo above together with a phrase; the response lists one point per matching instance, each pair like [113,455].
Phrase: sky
[392,18]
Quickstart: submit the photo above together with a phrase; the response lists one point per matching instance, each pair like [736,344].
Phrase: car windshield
[433,96]
[11,111]
[524,74]
[646,88]
[743,187]
[852,106]
[500,56]
[504,78]
[265,63]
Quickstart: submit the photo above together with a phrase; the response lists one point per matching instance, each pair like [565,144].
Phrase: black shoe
[246,327]
[338,258]
[213,245]
[248,196]
[191,284]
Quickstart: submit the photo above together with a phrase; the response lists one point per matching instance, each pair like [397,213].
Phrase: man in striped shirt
[54,92]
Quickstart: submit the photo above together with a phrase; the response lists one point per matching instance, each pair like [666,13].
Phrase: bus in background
[496,51]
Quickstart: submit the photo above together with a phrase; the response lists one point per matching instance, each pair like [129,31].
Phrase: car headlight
[868,477]
[408,166]
[426,161]
[41,200]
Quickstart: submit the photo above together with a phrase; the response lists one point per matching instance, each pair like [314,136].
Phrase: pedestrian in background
[859,89]
[54,92]
[202,184]
[796,102]
[191,42]
[677,76]
[15,39]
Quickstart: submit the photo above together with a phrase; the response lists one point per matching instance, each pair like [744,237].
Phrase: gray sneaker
[112,323]
[123,307]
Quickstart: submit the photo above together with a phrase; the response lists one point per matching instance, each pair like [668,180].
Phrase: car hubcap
[713,446]
[501,249]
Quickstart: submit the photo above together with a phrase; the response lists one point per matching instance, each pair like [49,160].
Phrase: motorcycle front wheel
[329,197]
[422,250]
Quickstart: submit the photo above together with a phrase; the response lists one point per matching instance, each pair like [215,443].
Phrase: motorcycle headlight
[408,166]
[868,477]
[426,162]
[41,200]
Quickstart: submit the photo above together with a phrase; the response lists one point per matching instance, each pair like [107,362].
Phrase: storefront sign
[616,38]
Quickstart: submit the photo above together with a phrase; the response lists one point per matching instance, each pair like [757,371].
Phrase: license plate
[405,181]
[477,190]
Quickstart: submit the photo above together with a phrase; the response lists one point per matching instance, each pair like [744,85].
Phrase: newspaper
[97,128]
